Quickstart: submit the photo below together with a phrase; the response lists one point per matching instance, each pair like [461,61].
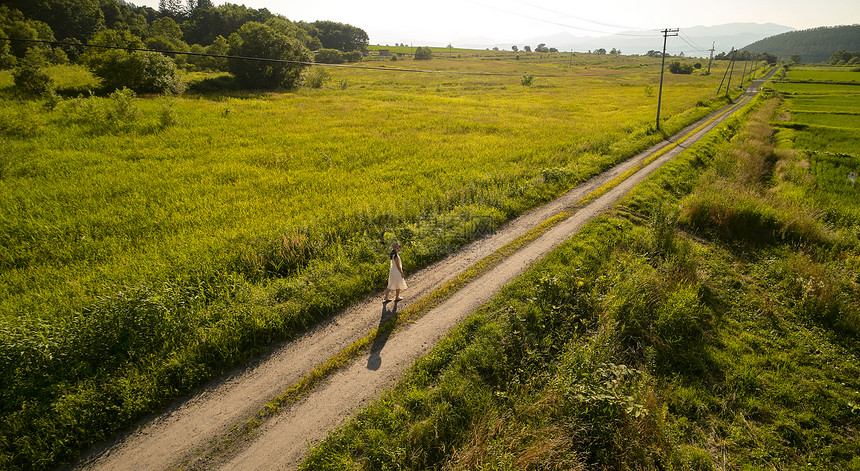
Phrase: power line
[695,47]
[691,42]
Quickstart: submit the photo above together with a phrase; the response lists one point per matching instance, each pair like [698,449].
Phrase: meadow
[151,243]
[709,321]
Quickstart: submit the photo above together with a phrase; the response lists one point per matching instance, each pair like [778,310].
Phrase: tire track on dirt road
[193,431]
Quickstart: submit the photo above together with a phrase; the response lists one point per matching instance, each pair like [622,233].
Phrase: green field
[823,74]
[149,243]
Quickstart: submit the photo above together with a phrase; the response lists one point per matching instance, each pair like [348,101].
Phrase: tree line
[814,45]
[192,26]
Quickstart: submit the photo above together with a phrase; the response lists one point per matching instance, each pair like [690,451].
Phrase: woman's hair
[394,249]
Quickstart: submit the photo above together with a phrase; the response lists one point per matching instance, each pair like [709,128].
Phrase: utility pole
[732,52]
[666,34]
[710,59]
[731,73]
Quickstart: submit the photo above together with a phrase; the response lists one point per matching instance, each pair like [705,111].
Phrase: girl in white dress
[396,279]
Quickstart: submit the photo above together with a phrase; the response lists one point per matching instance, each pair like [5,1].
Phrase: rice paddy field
[823,74]
[147,244]
[823,121]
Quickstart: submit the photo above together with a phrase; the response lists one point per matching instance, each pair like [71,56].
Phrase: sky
[443,22]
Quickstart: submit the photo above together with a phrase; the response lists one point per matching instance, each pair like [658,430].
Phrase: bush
[32,81]
[143,72]
[679,68]
[354,56]
[329,56]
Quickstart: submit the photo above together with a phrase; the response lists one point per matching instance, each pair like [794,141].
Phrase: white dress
[395,280]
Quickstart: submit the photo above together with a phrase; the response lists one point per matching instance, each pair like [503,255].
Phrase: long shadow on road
[383,331]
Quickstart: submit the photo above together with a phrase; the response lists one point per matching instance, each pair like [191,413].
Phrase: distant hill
[812,45]
[693,41]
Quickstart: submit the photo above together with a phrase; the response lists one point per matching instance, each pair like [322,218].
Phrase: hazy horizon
[511,21]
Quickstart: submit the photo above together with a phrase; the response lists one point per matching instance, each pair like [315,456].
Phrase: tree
[306,35]
[600,51]
[30,80]
[205,24]
[173,9]
[342,37]
[541,48]
[165,35]
[527,48]
[219,47]
[844,57]
[258,40]
[515,49]
[423,54]
[79,19]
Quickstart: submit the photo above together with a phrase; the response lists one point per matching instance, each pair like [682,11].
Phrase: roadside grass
[654,339]
[150,243]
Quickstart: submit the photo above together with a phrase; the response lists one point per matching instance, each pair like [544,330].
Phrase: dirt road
[190,431]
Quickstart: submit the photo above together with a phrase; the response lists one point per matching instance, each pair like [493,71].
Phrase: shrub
[354,56]
[423,54]
[679,68]
[329,56]
[143,72]
[32,81]
[527,80]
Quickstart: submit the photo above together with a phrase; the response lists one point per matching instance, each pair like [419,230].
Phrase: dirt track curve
[188,432]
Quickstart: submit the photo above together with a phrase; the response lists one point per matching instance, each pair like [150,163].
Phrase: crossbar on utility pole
[666,34]
[711,59]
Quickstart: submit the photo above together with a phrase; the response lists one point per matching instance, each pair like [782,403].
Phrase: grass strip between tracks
[423,305]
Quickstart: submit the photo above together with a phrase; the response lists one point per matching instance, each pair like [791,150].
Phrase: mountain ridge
[810,45]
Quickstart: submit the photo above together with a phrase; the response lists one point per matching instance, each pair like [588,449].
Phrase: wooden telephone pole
[710,59]
[666,33]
